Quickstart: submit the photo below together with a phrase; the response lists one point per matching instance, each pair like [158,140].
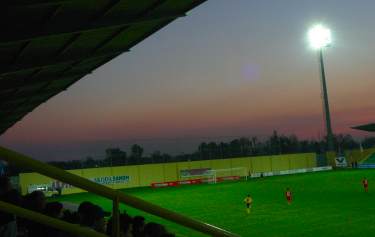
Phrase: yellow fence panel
[358,155]
[221,164]
[261,164]
[195,165]
[298,161]
[143,175]
[311,160]
[95,172]
[280,163]
[183,165]
[241,162]
[150,174]
[201,164]
[32,178]
[128,171]
[170,172]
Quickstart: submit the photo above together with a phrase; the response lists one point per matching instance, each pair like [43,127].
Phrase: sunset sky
[227,69]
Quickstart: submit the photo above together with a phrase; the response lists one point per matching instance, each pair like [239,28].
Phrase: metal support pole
[326,112]
[116,217]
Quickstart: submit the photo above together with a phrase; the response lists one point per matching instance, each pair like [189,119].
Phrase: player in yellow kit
[248,201]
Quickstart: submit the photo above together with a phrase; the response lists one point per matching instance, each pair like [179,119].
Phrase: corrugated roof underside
[47,45]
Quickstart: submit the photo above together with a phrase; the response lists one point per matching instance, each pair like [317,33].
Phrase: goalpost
[212,175]
[240,172]
[203,174]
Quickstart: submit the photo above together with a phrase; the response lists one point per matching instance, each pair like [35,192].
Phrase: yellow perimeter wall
[144,175]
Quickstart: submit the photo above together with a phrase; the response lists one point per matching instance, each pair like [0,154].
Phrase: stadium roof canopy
[367,127]
[47,45]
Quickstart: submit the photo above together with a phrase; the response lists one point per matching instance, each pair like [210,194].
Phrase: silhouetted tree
[274,144]
[224,150]
[213,151]
[235,148]
[115,157]
[136,153]
[344,142]
[254,143]
[368,142]
[89,162]
[156,157]
[245,146]
[203,151]
[169,158]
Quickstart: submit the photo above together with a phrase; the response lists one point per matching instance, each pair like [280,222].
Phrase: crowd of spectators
[87,215]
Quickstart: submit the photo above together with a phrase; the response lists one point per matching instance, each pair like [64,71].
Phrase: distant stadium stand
[366,127]
[368,163]
[370,159]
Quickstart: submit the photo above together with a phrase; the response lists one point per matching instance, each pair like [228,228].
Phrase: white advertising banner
[341,162]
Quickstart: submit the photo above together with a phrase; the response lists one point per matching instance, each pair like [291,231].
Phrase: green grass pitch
[325,204]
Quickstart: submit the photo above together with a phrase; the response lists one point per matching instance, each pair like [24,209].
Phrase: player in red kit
[365,184]
[288,195]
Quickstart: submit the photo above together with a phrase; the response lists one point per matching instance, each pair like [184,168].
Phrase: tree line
[275,144]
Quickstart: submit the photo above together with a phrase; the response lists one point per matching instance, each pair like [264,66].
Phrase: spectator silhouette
[138,225]
[53,209]
[35,201]
[125,226]
[154,230]
[8,223]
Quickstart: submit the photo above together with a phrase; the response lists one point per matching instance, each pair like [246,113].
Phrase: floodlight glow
[319,37]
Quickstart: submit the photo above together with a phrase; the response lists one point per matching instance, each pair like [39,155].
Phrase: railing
[116,196]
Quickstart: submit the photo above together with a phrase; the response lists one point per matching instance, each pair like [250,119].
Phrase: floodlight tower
[320,38]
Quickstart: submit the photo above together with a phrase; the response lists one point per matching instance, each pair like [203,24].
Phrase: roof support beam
[71,27]
[35,79]
[66,46]
[64,59]
[106,10]
[20,52]
[366,127]
[34,2]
